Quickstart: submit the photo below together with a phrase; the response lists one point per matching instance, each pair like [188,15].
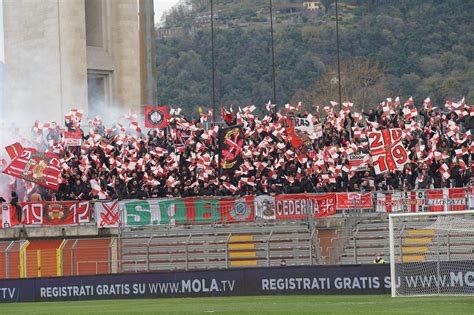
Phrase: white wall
[2,53]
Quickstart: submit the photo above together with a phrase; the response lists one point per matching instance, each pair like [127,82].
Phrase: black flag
[231,141]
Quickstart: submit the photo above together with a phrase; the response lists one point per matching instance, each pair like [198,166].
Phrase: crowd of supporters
[125,162]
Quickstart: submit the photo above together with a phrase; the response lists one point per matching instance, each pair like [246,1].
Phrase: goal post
[432,253]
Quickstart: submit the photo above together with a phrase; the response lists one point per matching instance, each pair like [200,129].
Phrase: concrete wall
[126,53]
[32,71]
[48,59]
[73,55]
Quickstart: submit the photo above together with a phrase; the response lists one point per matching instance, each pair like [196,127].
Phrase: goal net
[432,253]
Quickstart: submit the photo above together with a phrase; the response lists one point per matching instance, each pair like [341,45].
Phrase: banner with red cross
[107,214]
[387,150]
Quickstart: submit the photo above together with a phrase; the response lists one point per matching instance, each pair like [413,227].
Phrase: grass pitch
[255,305]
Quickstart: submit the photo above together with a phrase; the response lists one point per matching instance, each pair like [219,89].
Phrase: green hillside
[399,47]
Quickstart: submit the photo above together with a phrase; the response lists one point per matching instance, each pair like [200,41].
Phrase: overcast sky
[161,6]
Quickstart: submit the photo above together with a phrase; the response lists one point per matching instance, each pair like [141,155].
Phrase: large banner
[453,277]
[452,199]
[297,206]
[351,201]
[401,201]
[367,279]
[218,210]
[56,213]
[387,151]
[40,168]
[186,211]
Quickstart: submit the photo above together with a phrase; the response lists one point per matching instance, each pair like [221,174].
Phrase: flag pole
[273,54]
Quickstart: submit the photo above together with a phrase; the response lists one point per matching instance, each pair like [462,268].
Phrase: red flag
[228,117]
[293,137]
[40,168]
[156,117]
[14,150]
[97,190]
[387,150]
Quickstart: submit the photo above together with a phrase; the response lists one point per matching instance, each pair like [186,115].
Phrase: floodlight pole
[338,57]
[213,66]
[273,55]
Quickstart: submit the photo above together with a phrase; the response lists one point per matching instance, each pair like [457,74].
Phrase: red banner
[56,213]
[351,201]
[40,168]
[453,199]
[297,206]
[14,150]
[387,151]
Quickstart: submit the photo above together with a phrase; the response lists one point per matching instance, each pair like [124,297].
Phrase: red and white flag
[444,170]
[41,168]
[14,150]
[98,191]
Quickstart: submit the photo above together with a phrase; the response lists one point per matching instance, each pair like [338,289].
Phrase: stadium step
[242,246]
[243,263]
[421,232]
[419,240]
[236,254]
[414,258]
[414,249]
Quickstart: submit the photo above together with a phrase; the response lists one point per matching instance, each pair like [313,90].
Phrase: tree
[362,81]
[327,4]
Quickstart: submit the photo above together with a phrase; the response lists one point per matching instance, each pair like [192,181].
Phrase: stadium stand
[205,247]
[371,237]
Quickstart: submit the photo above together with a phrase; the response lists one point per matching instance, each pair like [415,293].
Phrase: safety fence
[223,210]
[49,258]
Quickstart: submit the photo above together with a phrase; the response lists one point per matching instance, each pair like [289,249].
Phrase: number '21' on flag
[387,151]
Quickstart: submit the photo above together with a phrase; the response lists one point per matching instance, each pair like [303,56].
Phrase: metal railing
[53,258]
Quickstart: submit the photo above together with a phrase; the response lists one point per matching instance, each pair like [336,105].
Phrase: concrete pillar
[146,16]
